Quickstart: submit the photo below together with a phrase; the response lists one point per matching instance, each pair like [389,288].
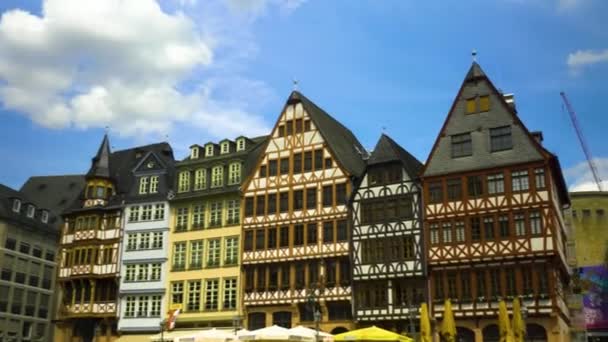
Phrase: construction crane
[581,139]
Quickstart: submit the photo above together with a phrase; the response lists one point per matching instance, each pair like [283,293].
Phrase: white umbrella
[210,335]
[273,333]
[312,333]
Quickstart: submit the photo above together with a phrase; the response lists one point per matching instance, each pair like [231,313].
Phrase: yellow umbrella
[425,324]
[448,325]
[504,327]
[371,334]
[519,326]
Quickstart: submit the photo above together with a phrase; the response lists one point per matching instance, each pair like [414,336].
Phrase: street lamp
[162,329]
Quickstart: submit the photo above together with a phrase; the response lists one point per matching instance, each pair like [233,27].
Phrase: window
[313,273]
[285,272]
[328,232]
[475,186]
[24,248]
[488,228]
[248,241]
[272,238]
[342,231]
[341,195]
[157,240]
[177,293]
[495,282]
[194,152]
[496,183]
[209,150]
[289,126]
[143,185]
[510,278]
[475,229]
[434,231]
[272,204]
[500,139]
[311,198]
[217,176]
[183,183]
[233,212]
[179,256]
[215,218]
[307,161]
[230,294]
[451,278]
[471,105]
[454,189]
[200,179]
[232,251]
[539,178]
[146,212]
[306,125]
[153,184]
[142,272]
[272,168]
[318,159]
[260,240]
[155,272]
[224,148]
[159,211]
[298,235]
[526,279]
[284,166]
[328,197]
[213,253]
[519,180]
[503,225]
[299,125]
[311,234]
[49,255]
[130,307]
[211,294]
[535,223]
[446,228]
[156,306]
[234,173]
[181,220]
[478,104]
[263,171]
[30,211]
[480,277]
[435,192]
[194,296]
[196,254]
[520,224]
[45,216]
[240,144]
[16,205]
[144,241]
[297,163]
[134,213]
[298,199]
[284,237]
[249,206]
[130,272]
[484,103]
[461,145]
[460,235]
[284,202]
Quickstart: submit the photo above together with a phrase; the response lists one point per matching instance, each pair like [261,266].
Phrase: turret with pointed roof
[100,165]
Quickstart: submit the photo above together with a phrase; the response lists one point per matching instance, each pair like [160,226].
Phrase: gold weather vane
[474,55]
[295,84]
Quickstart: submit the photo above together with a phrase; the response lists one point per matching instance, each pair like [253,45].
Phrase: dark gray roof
[56,193]
[7,195]
[100,165]
[342,142]
[387,150]
[475,72]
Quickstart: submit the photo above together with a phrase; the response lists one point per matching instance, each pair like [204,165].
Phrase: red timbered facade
[296,225]
[493,201]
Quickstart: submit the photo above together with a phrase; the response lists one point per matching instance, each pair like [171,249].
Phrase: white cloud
[129,65]
[567,5]
[257,7]
[580,177]
[582,58]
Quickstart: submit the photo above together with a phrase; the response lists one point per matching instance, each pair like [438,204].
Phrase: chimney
[538,135]
[510,100]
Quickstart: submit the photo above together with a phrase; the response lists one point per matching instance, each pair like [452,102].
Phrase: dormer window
[209,150]
[224,148]
[16,205]
[478,104]
[194,152]
[30,211]
[44,216]
[240,144]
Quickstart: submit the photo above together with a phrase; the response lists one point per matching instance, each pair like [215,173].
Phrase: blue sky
[196,71]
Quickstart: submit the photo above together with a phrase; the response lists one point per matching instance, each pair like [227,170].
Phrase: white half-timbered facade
[296,225]
[389,273]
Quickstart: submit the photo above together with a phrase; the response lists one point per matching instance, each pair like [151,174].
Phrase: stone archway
[465,334]
[338,330]
[535,333]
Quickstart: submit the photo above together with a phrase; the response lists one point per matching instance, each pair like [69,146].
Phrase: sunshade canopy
[371,334]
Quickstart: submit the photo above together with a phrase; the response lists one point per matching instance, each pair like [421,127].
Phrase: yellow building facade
[203,282]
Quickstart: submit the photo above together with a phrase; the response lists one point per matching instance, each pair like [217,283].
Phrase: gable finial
[295,84]
[474,55]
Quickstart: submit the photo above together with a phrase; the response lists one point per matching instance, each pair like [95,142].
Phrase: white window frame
[130,303]
[240,144]
[194,296]
[31,211]
[134,213]
[214,247]
[233,212]
[234,173]
[194,152]
[157,240]
[231,250]
[159,211]
[156,306]
[44,216]
[198,216]
[131,242]
[212,292]
[155,272]
[230,293]
[153,184]
[224,148]
[130,272]
[183,181]
[196,254]
[16,205]
[217,176]
[142,272]
[146,212]
[179,255]
[200,179]
[143,185]
[215,214]
[142,307]
[209,150]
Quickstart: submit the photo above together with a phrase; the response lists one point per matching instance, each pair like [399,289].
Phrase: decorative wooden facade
[389,272]
[296,225]
[493,201]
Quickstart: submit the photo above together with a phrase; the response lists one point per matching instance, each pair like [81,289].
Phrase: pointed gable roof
[525,147]
[341,141]
[387,150]
[100,166]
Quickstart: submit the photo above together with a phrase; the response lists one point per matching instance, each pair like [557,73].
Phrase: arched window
[535,333]
[465,335]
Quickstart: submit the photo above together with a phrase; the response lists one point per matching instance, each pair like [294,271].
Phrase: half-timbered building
[296,222]
[493,216]
[389,280]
